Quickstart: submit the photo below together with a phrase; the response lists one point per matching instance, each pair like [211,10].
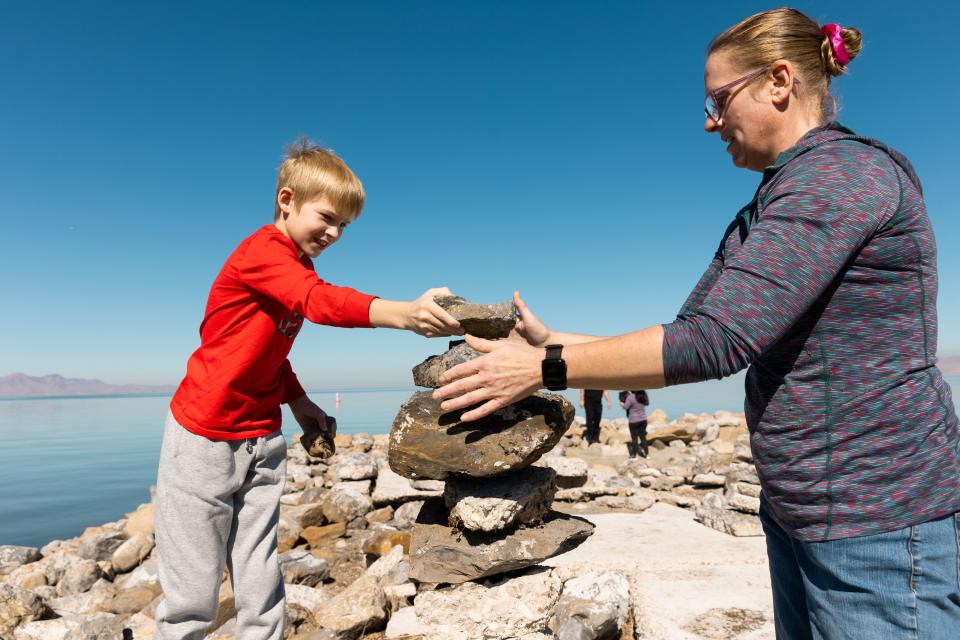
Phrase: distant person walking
[635,404]
[824,284]
[591,400]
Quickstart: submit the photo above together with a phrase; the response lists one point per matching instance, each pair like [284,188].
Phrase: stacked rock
[494,515]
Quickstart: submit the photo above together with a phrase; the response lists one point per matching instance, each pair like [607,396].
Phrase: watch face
[554,373]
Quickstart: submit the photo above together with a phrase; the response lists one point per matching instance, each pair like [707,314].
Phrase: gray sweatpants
[218,502]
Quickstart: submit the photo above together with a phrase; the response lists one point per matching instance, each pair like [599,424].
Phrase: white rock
[360,608]
[404,623]
[595,605]
[744,503]
[494,504]
[745,488]
[132,552]
[305,597]
[406,514]
[393,489]
[571,472]
[506,608]
[301,567]
[360,486]
[390,569]
[354,466]
[713,500]
[709,480]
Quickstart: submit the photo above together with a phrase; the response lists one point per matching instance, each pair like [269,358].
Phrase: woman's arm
[511,370]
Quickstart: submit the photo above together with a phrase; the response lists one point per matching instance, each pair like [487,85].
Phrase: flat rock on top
[490,321]
[427,443]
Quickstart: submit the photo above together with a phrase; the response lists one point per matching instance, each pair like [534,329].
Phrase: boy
[223,458]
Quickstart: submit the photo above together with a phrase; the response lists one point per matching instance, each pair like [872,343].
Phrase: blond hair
[788,34]
[311,171]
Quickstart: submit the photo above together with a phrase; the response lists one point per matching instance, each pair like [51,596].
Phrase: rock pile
[494,515]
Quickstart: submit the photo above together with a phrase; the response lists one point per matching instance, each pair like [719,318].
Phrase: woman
[635,404]
[825,286]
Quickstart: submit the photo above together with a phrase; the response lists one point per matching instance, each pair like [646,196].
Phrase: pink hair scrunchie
[834,33]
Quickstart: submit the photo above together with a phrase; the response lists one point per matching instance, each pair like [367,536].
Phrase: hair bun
[852,42]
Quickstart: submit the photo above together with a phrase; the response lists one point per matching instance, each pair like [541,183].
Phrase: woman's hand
[509,371]
[529,328]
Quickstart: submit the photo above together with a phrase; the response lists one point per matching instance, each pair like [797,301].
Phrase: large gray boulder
[441,554]
[489,321]
[428,372]
[301,567]
[501,502]
[427,443]
[78,575]
[13,556]
[100,545]
[19,606]
[343,504]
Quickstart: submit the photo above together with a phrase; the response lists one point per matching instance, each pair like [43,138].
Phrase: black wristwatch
[554,369]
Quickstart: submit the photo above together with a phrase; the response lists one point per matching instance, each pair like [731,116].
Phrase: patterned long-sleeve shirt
[826,286]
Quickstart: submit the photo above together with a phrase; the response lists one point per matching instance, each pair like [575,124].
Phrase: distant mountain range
[20,385]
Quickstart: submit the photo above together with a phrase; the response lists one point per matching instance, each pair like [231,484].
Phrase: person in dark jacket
[825,286]
[591,401]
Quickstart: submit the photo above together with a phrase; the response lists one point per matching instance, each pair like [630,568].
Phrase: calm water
[69,463]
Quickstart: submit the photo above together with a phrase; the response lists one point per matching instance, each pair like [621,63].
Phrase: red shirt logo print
[290,327]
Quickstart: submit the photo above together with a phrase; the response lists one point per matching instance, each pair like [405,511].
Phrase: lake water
[70,463]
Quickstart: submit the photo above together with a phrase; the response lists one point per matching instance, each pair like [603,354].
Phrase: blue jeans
[897,585]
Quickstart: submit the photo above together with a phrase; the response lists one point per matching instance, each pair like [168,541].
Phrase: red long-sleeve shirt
[240,375]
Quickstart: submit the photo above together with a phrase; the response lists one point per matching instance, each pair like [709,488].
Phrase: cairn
[495,513]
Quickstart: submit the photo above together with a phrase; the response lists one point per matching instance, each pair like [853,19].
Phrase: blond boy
[223,458]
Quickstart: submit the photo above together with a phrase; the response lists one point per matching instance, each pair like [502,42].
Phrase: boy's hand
[529,328]
[428,319]
[319,429]
[311,418]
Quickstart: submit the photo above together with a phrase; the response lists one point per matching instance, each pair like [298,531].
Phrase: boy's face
[314,225]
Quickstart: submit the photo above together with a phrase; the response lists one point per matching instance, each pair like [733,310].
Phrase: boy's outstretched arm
[422,316]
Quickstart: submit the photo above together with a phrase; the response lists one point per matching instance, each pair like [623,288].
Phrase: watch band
[553,368]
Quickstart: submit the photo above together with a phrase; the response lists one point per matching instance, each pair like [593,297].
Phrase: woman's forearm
[630,361]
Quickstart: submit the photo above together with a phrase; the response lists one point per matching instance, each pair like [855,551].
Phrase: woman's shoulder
[849,162]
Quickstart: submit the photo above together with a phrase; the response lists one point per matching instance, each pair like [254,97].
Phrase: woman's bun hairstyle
[852,41]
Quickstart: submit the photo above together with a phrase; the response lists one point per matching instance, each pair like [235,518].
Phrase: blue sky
[553,147]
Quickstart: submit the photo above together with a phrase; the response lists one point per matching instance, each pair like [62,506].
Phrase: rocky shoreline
[348,524]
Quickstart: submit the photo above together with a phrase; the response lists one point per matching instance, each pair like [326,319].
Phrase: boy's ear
[285,200]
